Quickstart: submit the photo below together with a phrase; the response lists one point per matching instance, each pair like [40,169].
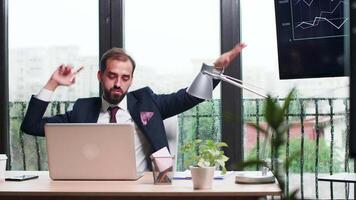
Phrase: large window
[42,35]
[319,114]
[169,41]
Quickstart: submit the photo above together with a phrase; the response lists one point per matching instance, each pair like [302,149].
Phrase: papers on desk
[186,175]
[254,177]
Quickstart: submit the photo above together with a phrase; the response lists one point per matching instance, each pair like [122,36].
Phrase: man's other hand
[226,58]
[64,75]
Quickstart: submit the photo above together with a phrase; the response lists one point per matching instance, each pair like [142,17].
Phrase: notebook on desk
[83,151]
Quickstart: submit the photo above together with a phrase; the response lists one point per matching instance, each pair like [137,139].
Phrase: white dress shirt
[142,146]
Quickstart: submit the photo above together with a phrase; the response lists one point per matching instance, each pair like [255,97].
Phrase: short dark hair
[116,54]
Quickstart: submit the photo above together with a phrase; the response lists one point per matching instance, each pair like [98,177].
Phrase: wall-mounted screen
[311,35]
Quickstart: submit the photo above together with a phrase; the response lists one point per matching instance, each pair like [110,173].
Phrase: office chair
[171,127]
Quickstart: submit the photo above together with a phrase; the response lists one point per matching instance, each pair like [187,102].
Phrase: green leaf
[221,144]
[292,195]
[288,100]
[290,159]
[252,162]
[204,153]
[259,128]
[273,113]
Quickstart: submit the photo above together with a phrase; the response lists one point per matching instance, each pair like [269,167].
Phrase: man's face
[116,80]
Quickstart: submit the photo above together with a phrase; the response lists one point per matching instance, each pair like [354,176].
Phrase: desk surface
[44,186]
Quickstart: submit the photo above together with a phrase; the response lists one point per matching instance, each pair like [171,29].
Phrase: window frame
[4,89]
[110,26]
[231,96]
[111,34]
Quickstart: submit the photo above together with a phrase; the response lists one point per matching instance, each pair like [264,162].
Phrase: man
[143,108]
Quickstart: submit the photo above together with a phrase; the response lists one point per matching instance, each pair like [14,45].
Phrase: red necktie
[112,112]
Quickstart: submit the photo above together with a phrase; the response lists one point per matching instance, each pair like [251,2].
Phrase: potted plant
[203,157]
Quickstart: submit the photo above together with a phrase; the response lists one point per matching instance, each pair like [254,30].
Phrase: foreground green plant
[275,133]
[204,153]
[309,158]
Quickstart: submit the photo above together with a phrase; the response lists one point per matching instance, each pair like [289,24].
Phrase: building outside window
[43,35]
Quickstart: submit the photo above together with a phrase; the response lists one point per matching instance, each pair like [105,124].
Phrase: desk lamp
[202,87]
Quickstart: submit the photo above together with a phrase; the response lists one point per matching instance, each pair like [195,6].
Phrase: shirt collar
[105,105]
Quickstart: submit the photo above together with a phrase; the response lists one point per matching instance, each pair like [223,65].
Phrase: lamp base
[254,177]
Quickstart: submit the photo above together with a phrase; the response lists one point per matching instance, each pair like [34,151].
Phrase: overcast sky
[54,22]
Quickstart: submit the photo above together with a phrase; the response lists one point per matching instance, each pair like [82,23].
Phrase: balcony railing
[320,131]
[320,128]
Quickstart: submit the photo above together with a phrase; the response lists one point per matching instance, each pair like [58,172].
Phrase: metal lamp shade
[202,86]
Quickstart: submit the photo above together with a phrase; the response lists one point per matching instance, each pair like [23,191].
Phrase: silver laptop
[85,151]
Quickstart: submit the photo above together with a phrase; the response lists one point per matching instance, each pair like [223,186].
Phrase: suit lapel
[134,112]
[153,130]
[135,106]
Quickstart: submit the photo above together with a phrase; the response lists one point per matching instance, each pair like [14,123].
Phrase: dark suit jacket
[86,110]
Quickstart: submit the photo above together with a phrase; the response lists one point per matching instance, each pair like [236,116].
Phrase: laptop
[91,151]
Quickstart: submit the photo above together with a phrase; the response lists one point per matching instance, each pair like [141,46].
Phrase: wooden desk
[45,188]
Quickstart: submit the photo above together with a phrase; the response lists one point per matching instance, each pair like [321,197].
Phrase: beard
[114,95]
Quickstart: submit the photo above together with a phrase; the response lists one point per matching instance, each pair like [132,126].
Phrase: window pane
[320,110]
[169,41]
[43,34]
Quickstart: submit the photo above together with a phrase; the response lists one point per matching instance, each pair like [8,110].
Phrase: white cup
[3,159]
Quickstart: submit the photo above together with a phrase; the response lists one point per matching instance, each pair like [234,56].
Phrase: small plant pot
[202,177]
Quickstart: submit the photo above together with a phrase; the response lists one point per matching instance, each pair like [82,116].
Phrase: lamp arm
[242,82]
[232,78]
[241,86]
[235,83]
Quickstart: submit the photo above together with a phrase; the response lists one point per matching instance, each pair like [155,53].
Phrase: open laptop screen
[85,151]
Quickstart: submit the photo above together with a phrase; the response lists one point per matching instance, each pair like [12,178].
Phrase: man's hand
[64,75]
[225,59]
